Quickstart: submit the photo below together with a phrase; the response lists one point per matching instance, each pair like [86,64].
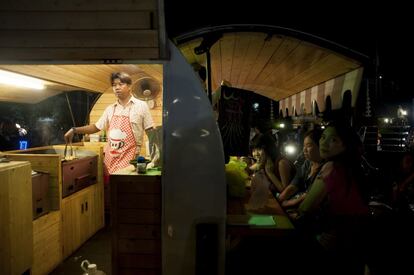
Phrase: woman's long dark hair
[268,143]
[351,158]
[314,135]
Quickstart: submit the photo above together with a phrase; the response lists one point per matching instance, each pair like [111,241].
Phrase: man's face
[121,90]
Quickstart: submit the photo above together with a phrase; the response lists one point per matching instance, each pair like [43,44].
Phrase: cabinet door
[87,214]
[98,203]
[79,213]
[73,220]
[70,225]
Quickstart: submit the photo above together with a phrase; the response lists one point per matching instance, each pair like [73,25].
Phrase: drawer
[140,261]
[130,271]
[139,216]
[142,201]
[147,187]
[139,246]
[139,231]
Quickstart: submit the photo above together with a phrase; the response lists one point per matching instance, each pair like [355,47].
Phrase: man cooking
[124,121]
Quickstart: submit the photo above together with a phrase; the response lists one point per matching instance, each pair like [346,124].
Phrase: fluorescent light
[20,80]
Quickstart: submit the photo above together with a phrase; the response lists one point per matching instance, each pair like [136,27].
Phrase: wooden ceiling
[274,66]
[61,78]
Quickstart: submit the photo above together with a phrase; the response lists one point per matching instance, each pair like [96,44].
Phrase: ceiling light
[20,80]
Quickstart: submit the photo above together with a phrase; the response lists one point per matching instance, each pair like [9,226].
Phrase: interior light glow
[290,149]
[19,80]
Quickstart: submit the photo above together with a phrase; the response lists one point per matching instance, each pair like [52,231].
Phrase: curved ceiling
[273,65]
[61,78]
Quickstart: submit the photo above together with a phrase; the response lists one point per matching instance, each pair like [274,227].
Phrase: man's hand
[69,135]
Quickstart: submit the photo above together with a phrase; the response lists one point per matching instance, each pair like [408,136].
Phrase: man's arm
[88,129]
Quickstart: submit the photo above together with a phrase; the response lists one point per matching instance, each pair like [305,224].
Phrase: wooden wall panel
[64,5]
[104,30]
[63,20]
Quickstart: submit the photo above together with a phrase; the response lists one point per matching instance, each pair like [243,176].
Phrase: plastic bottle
[91,269]
[141,165]
[103,137]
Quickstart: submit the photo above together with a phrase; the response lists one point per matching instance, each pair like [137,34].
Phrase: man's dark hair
[123,77]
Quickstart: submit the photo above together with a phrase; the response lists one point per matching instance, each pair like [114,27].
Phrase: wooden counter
[71,220]
[268,220]
[136,222]
[16,230]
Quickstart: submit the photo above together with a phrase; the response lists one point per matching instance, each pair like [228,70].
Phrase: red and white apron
[121,145]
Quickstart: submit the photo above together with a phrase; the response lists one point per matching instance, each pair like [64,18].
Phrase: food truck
[172,221]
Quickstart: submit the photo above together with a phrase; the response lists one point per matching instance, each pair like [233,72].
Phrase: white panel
[352,82]
[194,187]
[292,106]
[314,94]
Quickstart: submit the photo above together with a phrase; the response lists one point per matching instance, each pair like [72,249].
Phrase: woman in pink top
[336,201]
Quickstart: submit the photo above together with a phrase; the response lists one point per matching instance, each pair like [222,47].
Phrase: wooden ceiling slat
[277,67]
[240,52]
[266,53]
[56,74]
[301,59]
[332,67]
[255,45]
[227,45]
[216,78]
[62,78]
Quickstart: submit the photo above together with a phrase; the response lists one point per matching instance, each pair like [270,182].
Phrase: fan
[147,89]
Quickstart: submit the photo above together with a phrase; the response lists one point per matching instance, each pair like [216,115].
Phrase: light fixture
[21,80]
[290,149]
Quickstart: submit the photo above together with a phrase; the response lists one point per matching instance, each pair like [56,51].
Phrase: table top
[131,170]
[268,220]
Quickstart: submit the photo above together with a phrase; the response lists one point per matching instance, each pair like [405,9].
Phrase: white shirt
[139,116]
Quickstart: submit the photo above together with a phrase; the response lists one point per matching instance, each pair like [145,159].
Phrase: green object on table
[153,172]
[262,220]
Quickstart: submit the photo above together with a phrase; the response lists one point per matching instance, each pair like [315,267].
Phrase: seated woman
[278,169]
[335,204]
[307,172]
[403,189]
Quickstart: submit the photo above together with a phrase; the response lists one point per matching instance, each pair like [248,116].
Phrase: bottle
[91,269]
[141,165]
[103,136]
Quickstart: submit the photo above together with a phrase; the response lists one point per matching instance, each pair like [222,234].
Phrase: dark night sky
[367,29]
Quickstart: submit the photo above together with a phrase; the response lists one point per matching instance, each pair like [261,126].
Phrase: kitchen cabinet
[136,226]
[47,243]
[70,221]
[78,219]
[16,230]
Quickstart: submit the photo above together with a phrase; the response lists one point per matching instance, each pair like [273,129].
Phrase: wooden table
[241,219]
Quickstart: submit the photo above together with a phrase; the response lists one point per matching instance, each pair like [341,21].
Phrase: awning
[301,103]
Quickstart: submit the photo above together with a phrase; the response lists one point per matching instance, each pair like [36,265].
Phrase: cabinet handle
[82,208]
[86,205]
